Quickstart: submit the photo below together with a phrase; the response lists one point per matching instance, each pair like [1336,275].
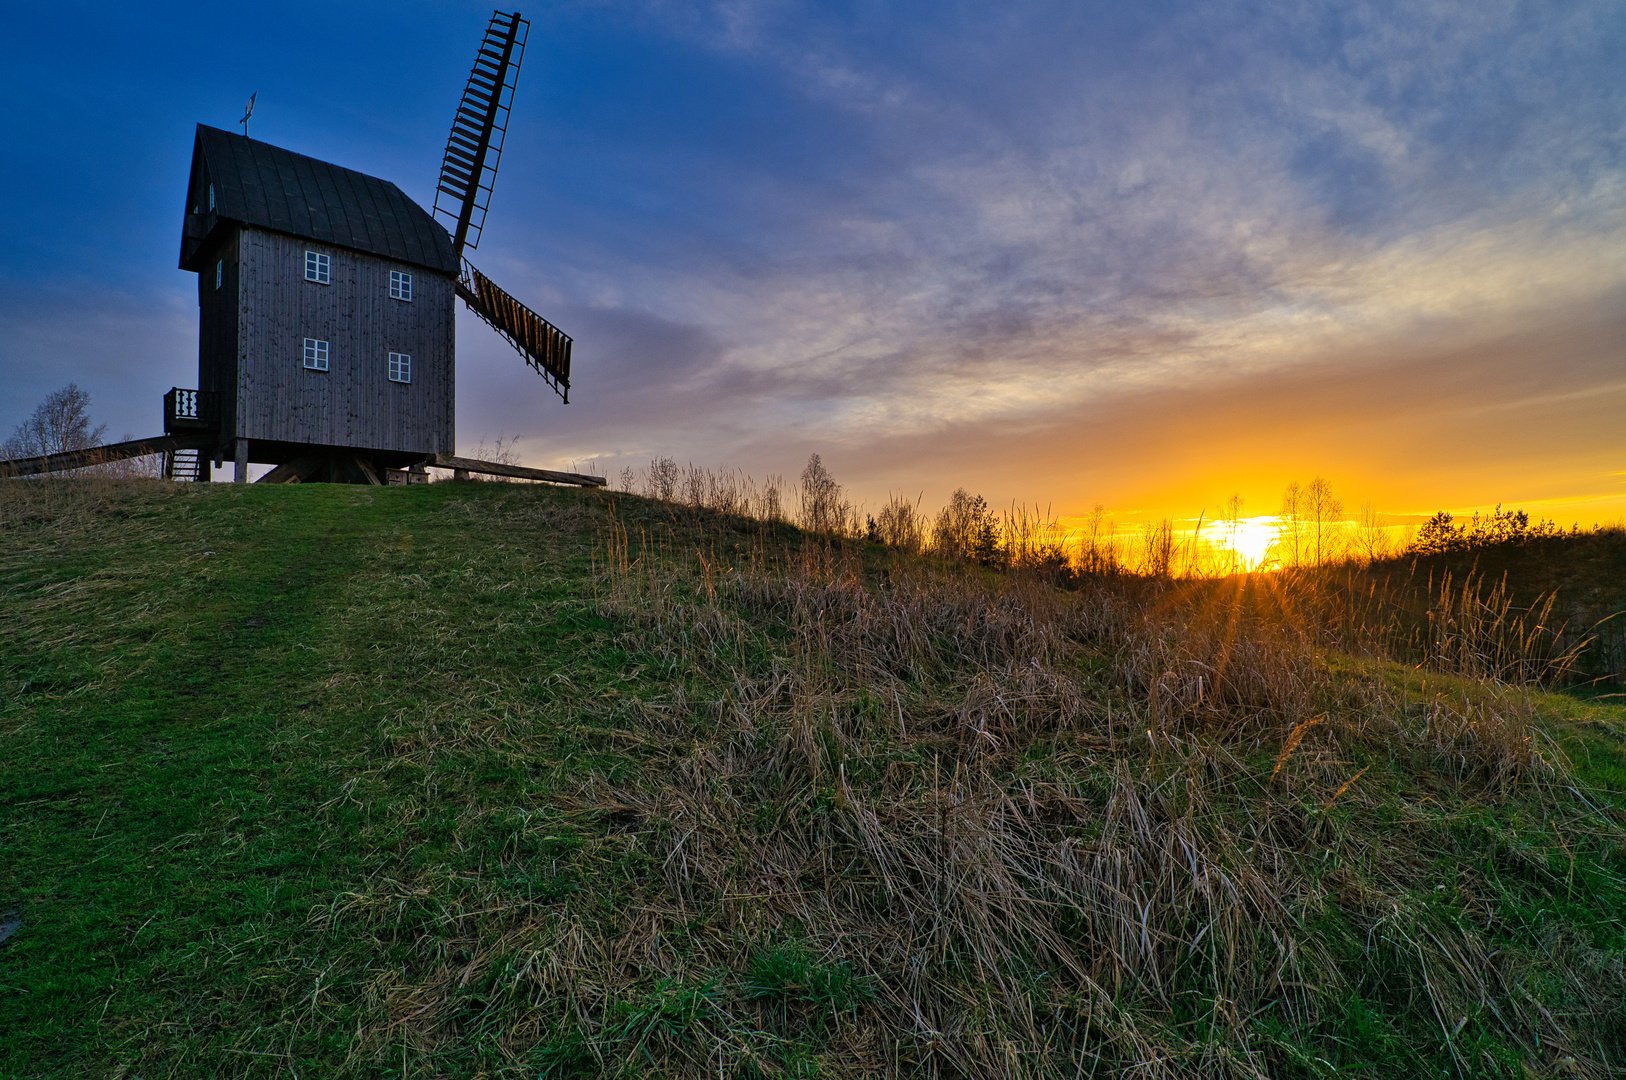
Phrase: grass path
[193,689]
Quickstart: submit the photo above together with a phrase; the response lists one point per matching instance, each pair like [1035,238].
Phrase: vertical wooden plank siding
[353,403]
[217,329]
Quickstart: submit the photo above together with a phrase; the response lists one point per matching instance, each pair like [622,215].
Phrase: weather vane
[248,112]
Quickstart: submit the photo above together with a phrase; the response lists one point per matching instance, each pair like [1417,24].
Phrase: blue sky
[1141,254]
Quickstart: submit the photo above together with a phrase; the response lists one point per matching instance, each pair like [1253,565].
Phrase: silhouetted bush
[1441,536]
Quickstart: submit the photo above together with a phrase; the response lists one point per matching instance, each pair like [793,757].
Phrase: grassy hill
[490,780]
[1584,575]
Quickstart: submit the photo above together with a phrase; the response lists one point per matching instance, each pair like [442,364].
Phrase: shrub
[1441,536]
[966,530]
[900,525]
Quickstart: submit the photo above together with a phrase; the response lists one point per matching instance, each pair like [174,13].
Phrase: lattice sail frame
[468,169]
[544,346]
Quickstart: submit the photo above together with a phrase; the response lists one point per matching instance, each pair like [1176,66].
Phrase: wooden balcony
[189,411]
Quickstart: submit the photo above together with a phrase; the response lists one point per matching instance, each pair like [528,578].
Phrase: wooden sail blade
[469,167]
[544,346]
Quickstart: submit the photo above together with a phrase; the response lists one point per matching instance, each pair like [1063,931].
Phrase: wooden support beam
[328,468]
[101,455]
[519,472]
[357,470]
[291,472]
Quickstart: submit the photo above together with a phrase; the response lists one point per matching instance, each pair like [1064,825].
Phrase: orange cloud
[1530,418]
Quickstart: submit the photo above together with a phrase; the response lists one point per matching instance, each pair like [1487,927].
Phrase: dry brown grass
[75,504]
[1128,830]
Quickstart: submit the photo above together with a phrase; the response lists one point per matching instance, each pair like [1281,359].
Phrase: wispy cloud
[1236,193]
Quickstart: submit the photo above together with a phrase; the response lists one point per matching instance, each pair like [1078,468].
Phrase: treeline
[1311,527]
[1312,530]
[965,530]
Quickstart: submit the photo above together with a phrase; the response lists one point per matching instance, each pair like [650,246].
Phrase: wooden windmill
[327,303]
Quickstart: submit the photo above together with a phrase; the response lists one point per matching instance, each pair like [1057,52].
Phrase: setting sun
[1248,539]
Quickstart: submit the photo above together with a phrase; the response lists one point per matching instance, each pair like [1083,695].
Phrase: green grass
[226,709]
[488,780]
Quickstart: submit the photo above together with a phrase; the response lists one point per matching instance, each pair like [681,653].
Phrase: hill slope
[488,780]
[1583,573]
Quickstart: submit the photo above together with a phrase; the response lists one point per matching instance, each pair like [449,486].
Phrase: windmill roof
[264,185]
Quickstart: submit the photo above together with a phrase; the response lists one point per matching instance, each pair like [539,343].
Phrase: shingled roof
[259,184]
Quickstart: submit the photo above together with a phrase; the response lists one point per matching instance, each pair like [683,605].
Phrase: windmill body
[326,311]
[327,307]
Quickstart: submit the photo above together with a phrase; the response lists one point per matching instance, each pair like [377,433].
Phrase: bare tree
[61,422]
[769,505]
[1324,513]
[1290,524]
[662,479]
[1370,540]
[823,510]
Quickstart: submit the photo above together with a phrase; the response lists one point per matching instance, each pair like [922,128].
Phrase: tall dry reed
[1056,832]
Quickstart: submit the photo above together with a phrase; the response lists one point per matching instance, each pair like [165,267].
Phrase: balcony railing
[191,410]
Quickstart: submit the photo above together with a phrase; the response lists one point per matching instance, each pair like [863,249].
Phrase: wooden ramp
[356,469]
[69,460]
[300,469]
[497,468]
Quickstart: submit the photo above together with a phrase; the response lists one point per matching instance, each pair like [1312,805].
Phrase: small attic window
[318,268]
[211,198]
[315,354]
[220,272]
[400,367]
[400,285]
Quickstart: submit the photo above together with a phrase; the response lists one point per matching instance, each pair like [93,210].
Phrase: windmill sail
[474,147]
[464,192]
[544,346]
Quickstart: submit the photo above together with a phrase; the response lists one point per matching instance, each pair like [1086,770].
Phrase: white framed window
[220,272]
[400,367]
[400,285]
[211,198]
[315,354]
[318,268]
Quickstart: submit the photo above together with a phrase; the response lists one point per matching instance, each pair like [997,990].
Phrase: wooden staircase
[186,464]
